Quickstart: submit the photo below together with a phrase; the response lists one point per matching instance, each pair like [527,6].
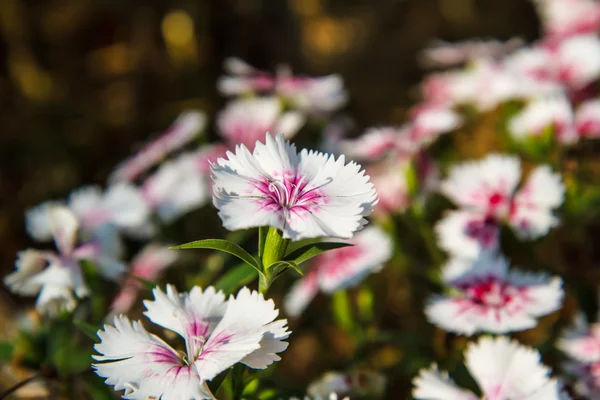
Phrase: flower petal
[64,226]
[431,384]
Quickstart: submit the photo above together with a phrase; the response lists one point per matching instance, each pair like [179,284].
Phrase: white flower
[390,181]
[330,382]
[503,370]
[445,54]
[428,121]
[341,268]
[187,126]
[245,121]
[218,333]
[56,276]
[306,194]
[121,205]
[562,18]
[376,143]
[487,297]
[548,112]
[178,187]
[578,60]
[486,192]
[37,220]
[587,119]
[147,264]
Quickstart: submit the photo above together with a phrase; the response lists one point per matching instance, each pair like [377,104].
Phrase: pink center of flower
[291,194]
[489,292]
[337,262]
[484,231]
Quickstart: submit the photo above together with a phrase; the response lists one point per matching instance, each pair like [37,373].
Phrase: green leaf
[6,351]
[262,238]
[221,245]
[89,330]
[279,267]
[148,284]
[314,249]
[235,278]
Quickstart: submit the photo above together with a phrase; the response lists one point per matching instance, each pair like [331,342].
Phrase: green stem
[263,283]
[342,310]
[19,385]
[275,247]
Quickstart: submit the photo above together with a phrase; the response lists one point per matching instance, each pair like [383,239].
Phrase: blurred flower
[578,60]
[587,119]
[362,383]
[390,181]
[330,382]
[486,297]
[218,333]
[485,191]
[564,18]
[177,187]
[56,276]
[377,143]
[581,343]
[187,126]
[428,121]
[245,121]
[541,114]
[314,95]
[503,370]
[444,54]
[148,265]
[305,195]
[341,268]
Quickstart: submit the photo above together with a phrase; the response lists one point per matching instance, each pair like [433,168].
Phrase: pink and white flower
[245,121]
[57,276]
[377,143]
[148,264]
[181,132]
[487,297]
[218,333]
[390,181]
[177,187]
[486,192]
[307,194]
[445,54]
[316,95]
[578,60]
[564,18]
[587,119]
[553,112]
[341,268]
[428,121]
[503,370]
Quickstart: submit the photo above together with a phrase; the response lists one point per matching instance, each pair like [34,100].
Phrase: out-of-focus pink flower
[587,119]
[314,95]
[390,180]
[148,265]
[218,333]
[555,113]
[341,268]
[177,187]
[578,60]
[377,143]
[503,369]
[56,276]
[564,18]
[445,54]
[428,121]
[246,121]
[487,297]
[486,193]
[306,194]
[180,133]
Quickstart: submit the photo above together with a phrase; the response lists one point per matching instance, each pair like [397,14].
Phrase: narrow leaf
[314,249]
[235,278]
[90,330]
[280,267]
[262,238]
[221,245]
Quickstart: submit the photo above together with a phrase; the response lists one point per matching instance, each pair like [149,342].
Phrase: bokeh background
[83,83]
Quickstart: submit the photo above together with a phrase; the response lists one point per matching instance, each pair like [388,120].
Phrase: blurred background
[83,83]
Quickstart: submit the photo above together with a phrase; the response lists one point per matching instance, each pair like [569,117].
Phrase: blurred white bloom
[147,264]
[177,187]
[428,121]
[330,382]
[487,297]
[486,193]
[341,268]
[445,54]
[563,18]
[246,121]
[56,276]
[38,222]
[218,333]
[390,181]
[185,129]
[553,112]
[578,60]
[305,195]
[503,370]
[587,119]
[377,143]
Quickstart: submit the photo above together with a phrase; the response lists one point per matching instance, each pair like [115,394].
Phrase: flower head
[341,268]
[487,297]
[245,121]
[56,276]
[218,333]
[503,370]
[306,194]
[487,193]
[550,112]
